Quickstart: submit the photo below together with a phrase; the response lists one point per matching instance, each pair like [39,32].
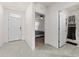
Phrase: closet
[71,28]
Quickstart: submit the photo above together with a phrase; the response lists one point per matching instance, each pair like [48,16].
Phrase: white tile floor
[21,49]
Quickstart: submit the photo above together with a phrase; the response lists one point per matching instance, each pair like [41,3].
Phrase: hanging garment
[71,33]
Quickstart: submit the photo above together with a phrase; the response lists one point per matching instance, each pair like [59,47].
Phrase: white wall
[51,26]
[29,29]
[40,8]
[1,25]
[5,26]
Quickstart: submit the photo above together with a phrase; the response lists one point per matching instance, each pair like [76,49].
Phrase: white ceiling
[21,6]
[73,8]
[47,4]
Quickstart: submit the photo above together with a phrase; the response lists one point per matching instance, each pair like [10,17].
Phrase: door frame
[44,26]
[18,12]
[59,28]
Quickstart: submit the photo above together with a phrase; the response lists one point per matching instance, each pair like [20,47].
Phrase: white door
[14,27]
[62,20]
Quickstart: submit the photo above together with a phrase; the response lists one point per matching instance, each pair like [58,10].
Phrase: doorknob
[20,27]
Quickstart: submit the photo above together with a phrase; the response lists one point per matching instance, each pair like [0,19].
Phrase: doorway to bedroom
[39,29]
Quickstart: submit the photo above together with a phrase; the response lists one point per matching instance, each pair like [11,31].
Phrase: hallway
[21,49]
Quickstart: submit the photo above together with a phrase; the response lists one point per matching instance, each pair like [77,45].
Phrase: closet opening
[39,30]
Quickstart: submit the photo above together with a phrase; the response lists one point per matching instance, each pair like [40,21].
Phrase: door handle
[20,28]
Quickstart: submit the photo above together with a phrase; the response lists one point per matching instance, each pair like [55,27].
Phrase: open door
[62,28]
